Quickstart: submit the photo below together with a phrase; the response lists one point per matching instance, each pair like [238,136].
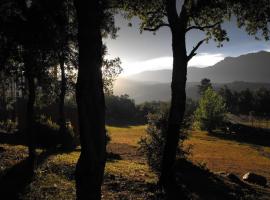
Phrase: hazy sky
[141,52]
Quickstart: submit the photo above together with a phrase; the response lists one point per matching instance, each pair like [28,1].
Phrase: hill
[238,73]
[253,67]
[150,91]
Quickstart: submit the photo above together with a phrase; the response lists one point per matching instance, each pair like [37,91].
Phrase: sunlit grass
[131,170]
[55,178]
[127,135]
[226,155]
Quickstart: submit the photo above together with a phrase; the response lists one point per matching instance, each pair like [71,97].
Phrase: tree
[64,30]
[182,17]
[262,99]
[111,68]
[246,101]
[205,84]
[90,101]
[211,110]
[230,98]
[30,49]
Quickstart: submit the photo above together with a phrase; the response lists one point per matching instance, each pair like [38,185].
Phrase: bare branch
[193,52]
[156,28]
[202,28]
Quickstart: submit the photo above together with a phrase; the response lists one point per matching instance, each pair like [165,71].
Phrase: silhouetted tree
[182,17]
[31,44]
[90,101]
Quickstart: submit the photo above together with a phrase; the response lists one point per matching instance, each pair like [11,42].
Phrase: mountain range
[238,73]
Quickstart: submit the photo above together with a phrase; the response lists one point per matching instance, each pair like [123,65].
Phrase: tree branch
[202,28]
[193,52]
[156,28]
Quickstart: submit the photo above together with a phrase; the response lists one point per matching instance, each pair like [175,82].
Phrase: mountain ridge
[252,67]
[238,73]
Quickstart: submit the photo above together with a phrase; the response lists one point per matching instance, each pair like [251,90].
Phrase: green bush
[211,111]
[153,144]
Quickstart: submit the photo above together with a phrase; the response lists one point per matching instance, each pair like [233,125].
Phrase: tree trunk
[30,118]
[90,101]
[178,101]
[62,119]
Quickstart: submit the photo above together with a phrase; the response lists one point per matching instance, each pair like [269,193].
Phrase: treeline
[247,102]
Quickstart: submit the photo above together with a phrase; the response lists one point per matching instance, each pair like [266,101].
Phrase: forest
[64,134]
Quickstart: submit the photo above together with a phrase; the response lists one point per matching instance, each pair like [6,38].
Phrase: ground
[127,173]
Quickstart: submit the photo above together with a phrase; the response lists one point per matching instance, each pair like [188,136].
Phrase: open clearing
[127,174]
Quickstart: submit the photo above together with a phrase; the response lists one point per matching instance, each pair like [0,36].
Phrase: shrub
[8,125]
[153,144]
[68,138]
[48,134]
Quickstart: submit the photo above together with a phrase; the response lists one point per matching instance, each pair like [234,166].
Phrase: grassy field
[127,173]
[230,156]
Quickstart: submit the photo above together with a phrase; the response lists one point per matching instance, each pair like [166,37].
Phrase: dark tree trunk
[62,119]
[177,109]
[90,101]
[30,118]
[178,91]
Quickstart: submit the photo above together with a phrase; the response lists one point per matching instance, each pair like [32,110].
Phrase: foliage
[246,101]
[230,98]
[111,68]
[206,16]
[120,109]
[211,110]
[153,144]
[152,107]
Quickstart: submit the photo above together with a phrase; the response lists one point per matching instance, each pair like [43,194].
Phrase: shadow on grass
[15,138]
[123,124]
[194,182]
[111,157]
[15,179]
[254,137]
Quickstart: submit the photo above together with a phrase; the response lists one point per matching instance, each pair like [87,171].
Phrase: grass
[129,177]
[127,135]
[230,156]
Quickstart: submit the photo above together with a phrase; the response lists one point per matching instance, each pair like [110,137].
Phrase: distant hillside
[254,67]
[149,91]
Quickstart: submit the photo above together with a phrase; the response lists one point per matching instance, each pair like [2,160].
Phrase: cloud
[205,60]
[147,65]
[201,60]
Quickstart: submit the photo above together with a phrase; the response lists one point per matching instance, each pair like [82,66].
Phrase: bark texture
[90,101]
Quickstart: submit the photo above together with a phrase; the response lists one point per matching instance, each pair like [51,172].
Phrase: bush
[68,139]
[8,125]
[48,134]
[153,144]
[211,111]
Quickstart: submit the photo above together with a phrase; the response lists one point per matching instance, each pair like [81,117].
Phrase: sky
[144,52]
